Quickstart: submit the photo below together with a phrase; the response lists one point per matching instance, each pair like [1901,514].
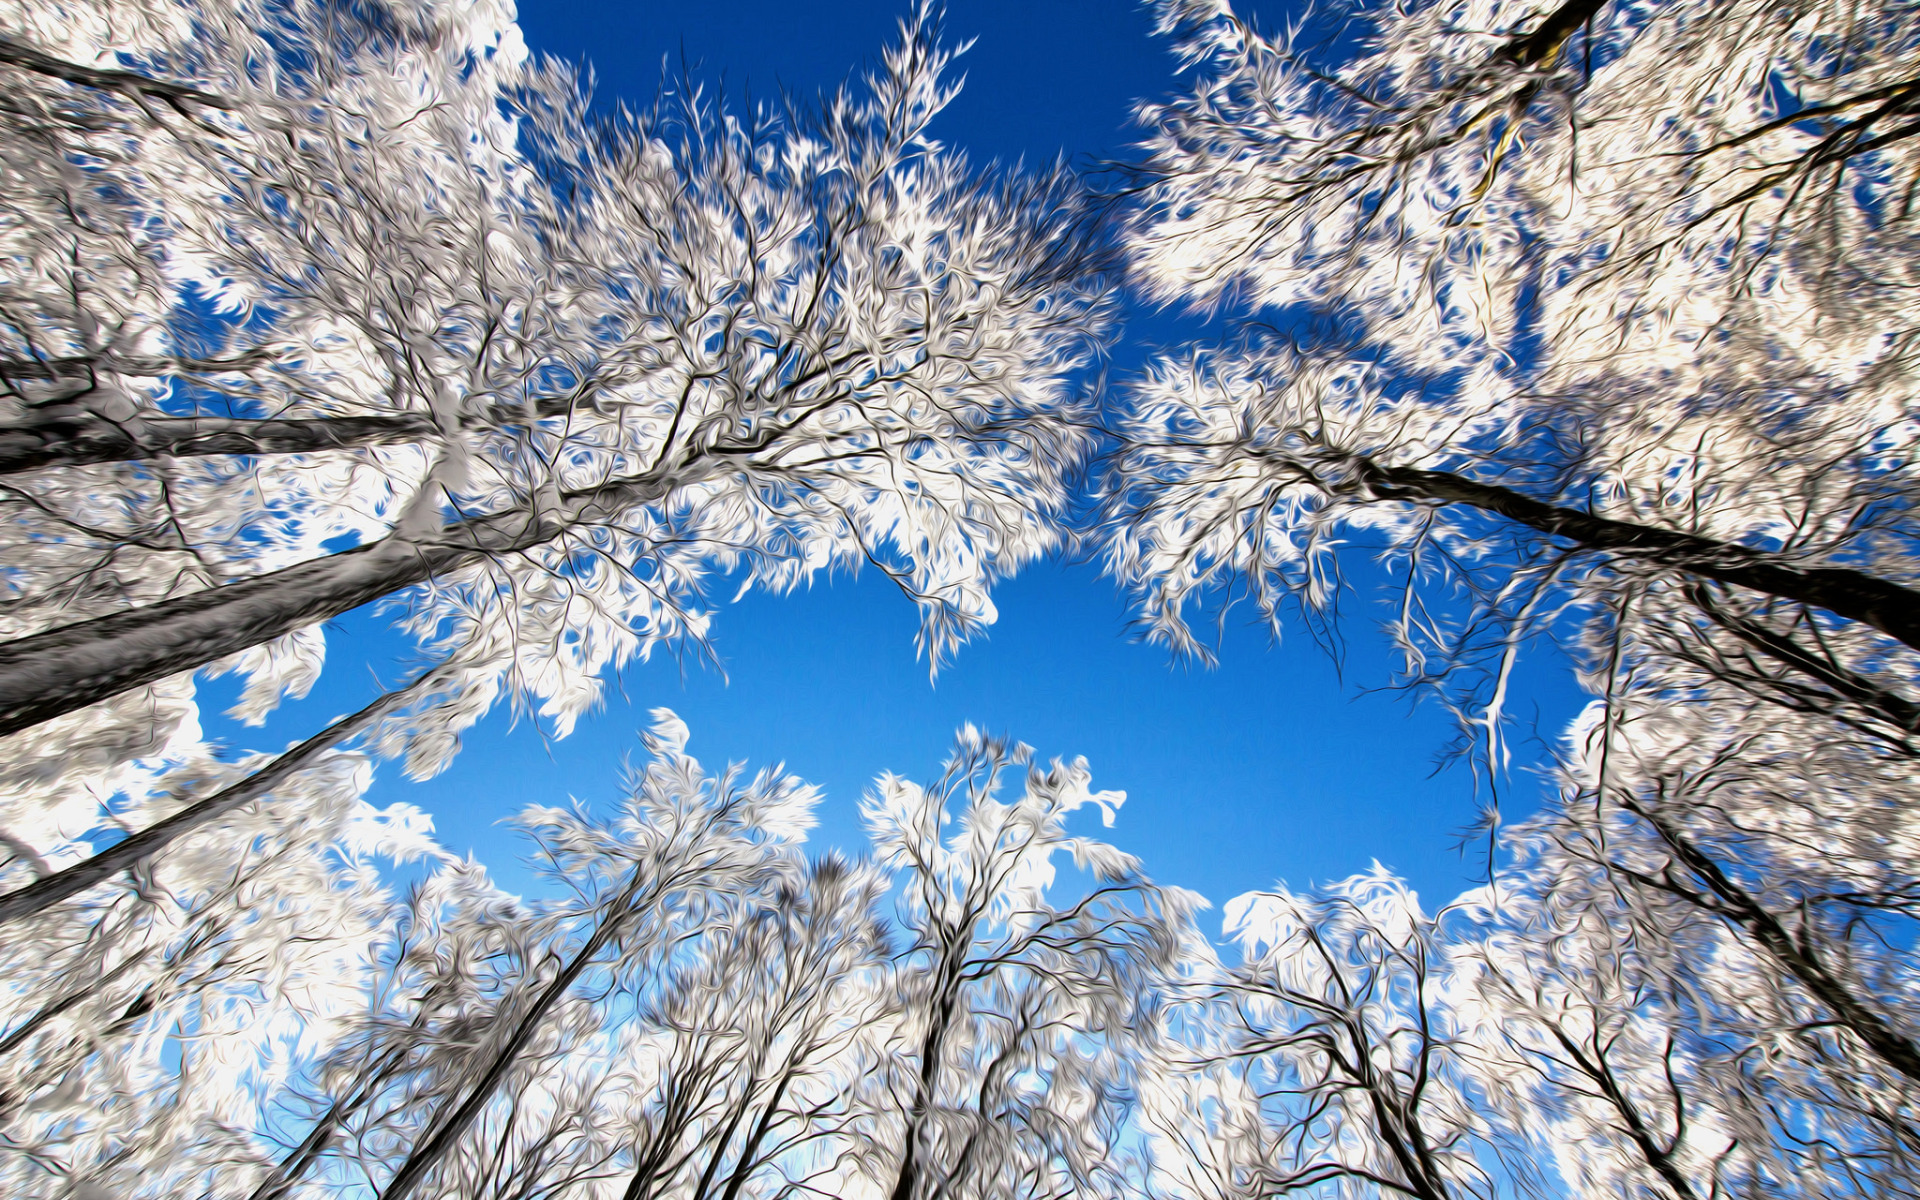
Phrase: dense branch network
[1593,321]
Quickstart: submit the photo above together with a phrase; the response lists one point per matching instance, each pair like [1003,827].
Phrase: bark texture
[49,674]
[80,439]
[1889,607]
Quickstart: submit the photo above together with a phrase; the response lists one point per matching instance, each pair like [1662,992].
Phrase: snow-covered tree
[1017,1019]
[1595,1072]
[788,341]
[1594,322]
[526,1004]
[1561,298]
[1325,1057]
[631,351]
[1599,1021]
[1745,908]
[742,1081]
[151,1027]
[703,1012]
[152,247]
[396,316]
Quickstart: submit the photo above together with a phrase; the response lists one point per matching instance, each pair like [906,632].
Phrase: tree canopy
[1593,325]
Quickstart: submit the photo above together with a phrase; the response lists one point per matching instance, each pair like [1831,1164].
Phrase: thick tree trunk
[61,885]
[78,439]
[56,672]
[945,1011]
[53,673]
[1889,607]
[1554,29]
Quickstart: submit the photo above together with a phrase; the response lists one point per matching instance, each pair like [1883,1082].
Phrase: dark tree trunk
[1797,956]
[130,83]
[77,439]
[445,1133]
[50,674]
[61,885]
[53,673]
[1552,33]
[1889,607]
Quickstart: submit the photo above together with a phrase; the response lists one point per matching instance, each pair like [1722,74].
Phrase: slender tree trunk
[743,1166]
[932,1046]
[18,1037]
[1596,1068]
[1798,957]
[1889,607]
[444,1134]
[326,1130]
[676,1116]
[717,1148]
[1847,685]
[76,439]
[53,673]
[1397,1123]
[284,1177]
[61,885]
[25,57]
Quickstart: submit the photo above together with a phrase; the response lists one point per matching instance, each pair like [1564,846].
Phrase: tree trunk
[327,1127]
[56,672]
[1892,609]
[44,893]
[131,83]
[49,674]
[1798,958]
[1846,684]
[18,1037]
[743,1166]
[444,1134]
[1596,1068]
[1555,28]
[77,439]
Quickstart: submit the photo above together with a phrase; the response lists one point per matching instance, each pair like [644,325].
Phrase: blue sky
[1274,765]
[1044,78]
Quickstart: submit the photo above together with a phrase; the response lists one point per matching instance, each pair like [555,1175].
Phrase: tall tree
[147,1029]
[610,357]
[1567,298]
[1017,1017]
[418,324]
[1744,859]
[702,1013]
[1326,1056]
[1592,322]
[678,866]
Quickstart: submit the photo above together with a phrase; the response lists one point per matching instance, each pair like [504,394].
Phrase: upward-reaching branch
[1891,608]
